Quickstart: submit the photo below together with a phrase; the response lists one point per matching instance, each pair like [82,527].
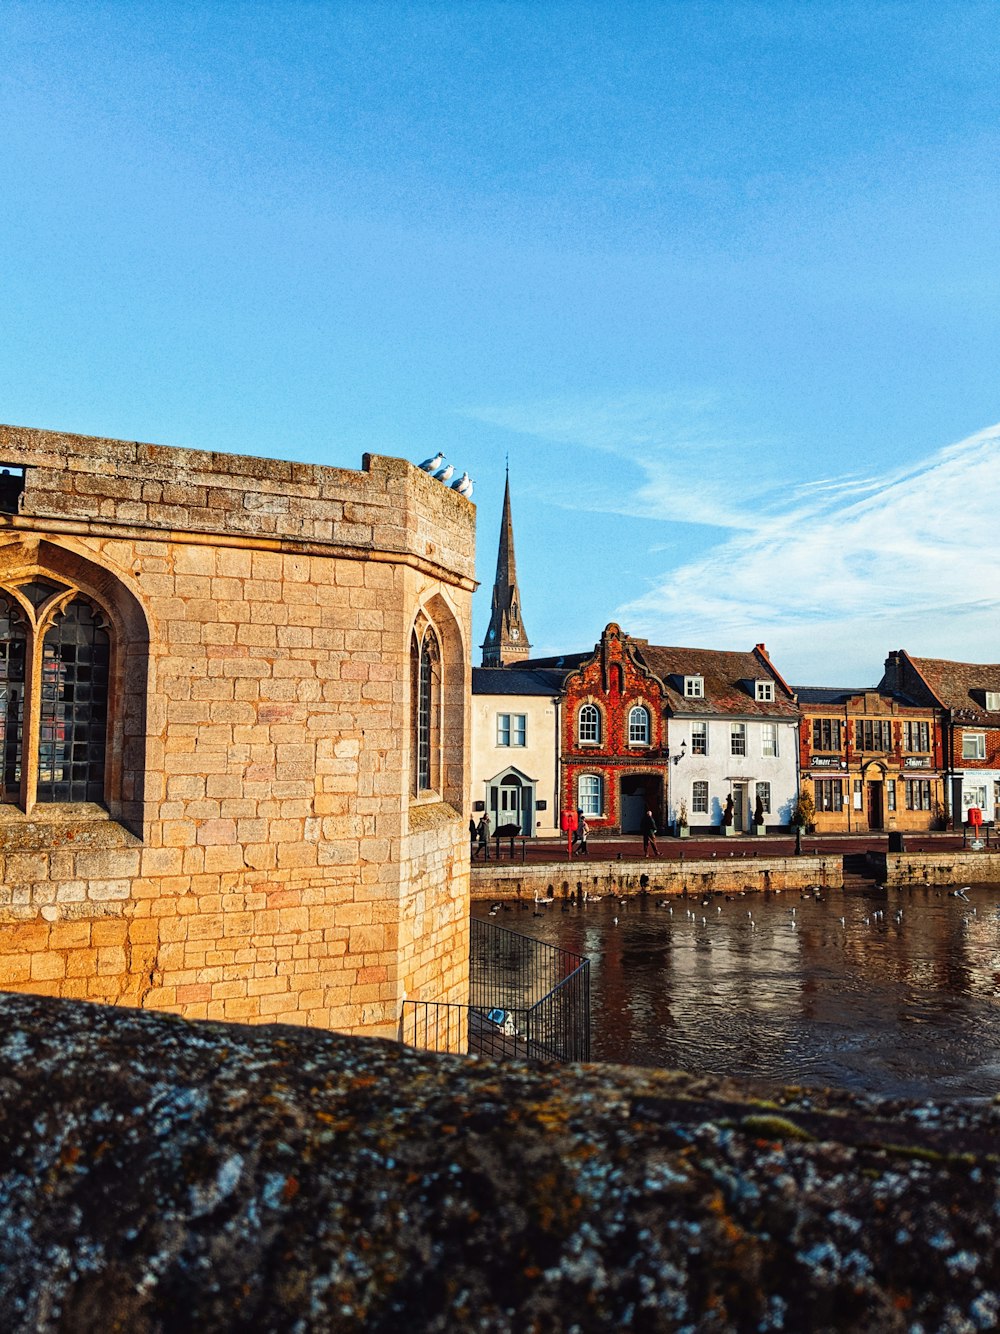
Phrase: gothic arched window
[53,703]
[76,658]
[638,725]
[428,712]
[589,729]
[12,665]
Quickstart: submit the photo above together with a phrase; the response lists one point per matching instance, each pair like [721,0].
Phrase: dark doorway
[875,816]
[740,807]
[639,793]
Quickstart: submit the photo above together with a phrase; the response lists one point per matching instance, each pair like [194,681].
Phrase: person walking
[483,833]
[580,836]
[647,828]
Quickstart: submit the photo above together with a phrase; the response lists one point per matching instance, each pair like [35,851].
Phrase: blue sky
[721,280]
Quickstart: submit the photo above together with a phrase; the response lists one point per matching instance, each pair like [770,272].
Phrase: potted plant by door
[803,812]
[759,826]
[683,831]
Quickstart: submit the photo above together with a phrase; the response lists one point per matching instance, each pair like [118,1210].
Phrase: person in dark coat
[580,834]
[483,833]
[647,828]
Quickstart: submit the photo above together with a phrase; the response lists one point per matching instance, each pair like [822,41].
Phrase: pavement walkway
[628,847]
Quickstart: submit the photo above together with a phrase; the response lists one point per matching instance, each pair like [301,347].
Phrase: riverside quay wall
[270,1178]
[960,867]
[709,875]
[213,672]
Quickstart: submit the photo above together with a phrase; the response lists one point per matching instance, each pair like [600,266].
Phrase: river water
[895,992]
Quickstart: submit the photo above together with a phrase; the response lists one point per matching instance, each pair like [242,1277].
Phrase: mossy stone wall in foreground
[162,1175]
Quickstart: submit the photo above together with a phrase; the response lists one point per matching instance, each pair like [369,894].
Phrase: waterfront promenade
[628,847]
[710,865]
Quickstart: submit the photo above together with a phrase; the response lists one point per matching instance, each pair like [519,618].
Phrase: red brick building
[613,744]
[677,731]
[966,699]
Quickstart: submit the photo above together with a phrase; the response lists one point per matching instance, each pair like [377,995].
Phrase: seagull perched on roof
[444,473]
[432,465]
[463,486]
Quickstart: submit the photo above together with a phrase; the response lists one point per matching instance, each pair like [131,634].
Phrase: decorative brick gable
[614,681]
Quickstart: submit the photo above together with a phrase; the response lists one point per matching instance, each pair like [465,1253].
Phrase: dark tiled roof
[829,694]
[728,680]
[505,681]
[561,662]
[960,685]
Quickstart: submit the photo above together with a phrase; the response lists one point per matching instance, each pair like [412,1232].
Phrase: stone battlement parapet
[387,507]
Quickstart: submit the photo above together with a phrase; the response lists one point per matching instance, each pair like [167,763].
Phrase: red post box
[975,818]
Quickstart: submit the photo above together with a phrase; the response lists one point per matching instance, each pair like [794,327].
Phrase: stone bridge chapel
[233,714]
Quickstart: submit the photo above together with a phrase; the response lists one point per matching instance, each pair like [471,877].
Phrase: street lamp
[677,758]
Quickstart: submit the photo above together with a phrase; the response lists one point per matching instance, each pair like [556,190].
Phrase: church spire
[505,640]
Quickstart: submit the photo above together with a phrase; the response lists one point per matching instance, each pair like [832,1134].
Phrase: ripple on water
[904,1005]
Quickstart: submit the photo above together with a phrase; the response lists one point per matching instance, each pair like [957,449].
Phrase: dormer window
[993,701]
[764,691]
[694,687]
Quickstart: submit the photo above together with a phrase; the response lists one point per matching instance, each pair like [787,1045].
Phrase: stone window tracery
[55,661]
[427,712]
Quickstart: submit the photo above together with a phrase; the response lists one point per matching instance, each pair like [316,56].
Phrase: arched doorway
[511,800]
[874,778]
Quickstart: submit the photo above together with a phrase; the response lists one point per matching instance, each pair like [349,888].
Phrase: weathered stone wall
[161,1176]
[957,867]
[261,854]
[510,880]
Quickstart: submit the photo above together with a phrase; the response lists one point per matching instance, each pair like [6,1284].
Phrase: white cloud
[831,571]
[836,579]
[675,461]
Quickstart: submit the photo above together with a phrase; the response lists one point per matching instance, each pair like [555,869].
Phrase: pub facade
[871,759]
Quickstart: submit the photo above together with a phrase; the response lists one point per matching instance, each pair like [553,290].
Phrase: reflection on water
[901,997]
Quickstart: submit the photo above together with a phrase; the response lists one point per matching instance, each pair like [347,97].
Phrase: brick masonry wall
[267,860]
[613,682]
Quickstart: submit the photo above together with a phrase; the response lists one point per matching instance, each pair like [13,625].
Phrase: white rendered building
[515,747]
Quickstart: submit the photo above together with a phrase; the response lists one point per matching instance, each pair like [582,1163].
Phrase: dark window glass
[12,659]
[39,591]
[826,734]
[829,794]
[918,736]
[76,655]
[872,735]
[425,711]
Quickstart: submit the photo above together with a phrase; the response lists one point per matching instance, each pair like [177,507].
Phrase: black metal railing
[553,1031]
[527,999]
